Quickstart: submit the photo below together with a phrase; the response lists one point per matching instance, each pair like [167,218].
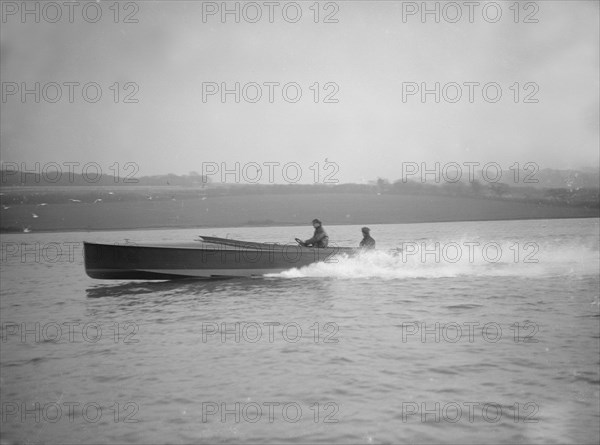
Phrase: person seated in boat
[319,238]
[367,242]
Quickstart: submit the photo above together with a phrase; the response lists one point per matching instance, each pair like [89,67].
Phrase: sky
[161,68]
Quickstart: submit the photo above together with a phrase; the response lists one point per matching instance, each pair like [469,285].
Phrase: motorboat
[207,257]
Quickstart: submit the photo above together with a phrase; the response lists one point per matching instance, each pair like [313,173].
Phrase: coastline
[114,212]
[274,224]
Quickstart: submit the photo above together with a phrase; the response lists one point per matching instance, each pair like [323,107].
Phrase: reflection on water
[181,286]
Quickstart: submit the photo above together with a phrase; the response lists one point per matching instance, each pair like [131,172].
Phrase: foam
[500,259]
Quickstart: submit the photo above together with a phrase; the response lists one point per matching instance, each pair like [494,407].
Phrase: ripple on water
[368,373]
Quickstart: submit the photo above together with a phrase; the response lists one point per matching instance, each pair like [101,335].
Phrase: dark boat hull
[150,262]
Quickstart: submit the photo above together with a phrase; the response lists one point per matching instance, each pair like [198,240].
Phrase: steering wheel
[299,241]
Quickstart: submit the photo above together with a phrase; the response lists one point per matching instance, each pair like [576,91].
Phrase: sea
[451,332]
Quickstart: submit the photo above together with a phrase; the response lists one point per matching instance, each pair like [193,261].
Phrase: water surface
[376,349]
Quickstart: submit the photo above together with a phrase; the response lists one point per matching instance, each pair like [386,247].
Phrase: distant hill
[55,178]
[545,178]
[43,202]
[549,178]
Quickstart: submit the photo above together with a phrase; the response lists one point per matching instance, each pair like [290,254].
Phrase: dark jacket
[367,243]
[319,239]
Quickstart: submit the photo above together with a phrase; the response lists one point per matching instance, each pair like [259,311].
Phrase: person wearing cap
[319,238]
[367,242]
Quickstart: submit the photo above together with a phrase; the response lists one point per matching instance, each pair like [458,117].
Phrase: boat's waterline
[168,274]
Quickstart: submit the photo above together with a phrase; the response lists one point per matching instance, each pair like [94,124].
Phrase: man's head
[316,223]
[365,231]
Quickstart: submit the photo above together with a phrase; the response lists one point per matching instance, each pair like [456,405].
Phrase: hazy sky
[376,51]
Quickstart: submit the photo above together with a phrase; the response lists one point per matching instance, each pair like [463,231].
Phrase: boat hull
[153,262]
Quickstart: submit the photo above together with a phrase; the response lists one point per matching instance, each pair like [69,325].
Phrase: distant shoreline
[221,226]
[139,211]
